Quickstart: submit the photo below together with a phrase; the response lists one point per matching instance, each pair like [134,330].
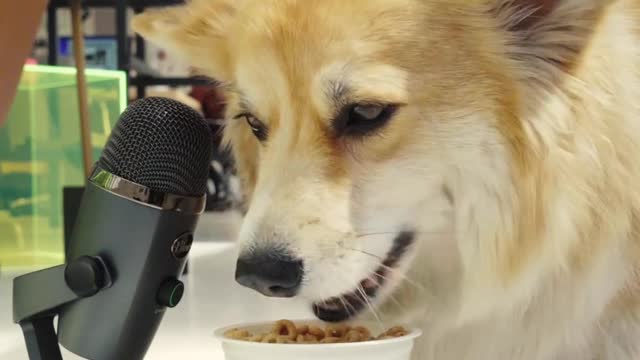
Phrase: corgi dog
[470,167]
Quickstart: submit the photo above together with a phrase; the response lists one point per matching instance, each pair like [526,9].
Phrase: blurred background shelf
[122,40]
[169,81]
[110,3]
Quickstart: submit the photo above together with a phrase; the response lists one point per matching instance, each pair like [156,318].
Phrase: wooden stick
[78,52]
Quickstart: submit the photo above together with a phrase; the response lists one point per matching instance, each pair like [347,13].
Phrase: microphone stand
[38,297]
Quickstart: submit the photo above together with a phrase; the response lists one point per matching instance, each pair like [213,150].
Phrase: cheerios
[317,332]
[284,340]
[310,339]
[364,332]
[286,332]
[237,334]
[396,331]
[355,336]
[304,329]
[286,329]
[338,331]
[330,340]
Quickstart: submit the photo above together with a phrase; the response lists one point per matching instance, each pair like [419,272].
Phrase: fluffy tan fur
[515,158]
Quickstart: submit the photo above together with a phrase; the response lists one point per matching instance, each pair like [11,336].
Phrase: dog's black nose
[270,275]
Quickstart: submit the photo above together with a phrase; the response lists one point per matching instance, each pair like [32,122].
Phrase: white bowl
[389,349]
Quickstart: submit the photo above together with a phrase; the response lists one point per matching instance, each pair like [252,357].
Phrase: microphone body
[144,248]
[137,217]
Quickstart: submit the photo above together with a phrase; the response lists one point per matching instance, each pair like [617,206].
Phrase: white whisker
[391,297]
[379,263]
[404,277]
[346,307]
[369,305]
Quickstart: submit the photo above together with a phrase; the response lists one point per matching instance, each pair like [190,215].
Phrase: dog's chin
[348,305]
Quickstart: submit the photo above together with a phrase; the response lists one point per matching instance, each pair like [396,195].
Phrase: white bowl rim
[413,334]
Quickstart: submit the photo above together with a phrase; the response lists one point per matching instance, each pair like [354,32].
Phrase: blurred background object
[16,36]
[40,154]
[41,166]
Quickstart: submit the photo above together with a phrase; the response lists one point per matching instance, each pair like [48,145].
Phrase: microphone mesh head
[161,144]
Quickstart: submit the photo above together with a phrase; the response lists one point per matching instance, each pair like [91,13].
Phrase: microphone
[132,234]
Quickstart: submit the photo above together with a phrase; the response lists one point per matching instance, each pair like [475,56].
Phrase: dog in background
[469,166]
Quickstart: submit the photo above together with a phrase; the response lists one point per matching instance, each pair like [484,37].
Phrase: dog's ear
[196,32]
[551,31]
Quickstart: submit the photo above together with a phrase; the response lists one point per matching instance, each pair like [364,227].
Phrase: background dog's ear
[551,31]
[196,32]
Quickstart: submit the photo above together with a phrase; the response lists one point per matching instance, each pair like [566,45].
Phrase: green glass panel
[40,153]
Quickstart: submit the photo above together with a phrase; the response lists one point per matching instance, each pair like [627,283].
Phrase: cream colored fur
[515,158]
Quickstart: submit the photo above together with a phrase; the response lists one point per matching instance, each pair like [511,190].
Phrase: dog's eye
[362,119]
[369,112]
[257,127]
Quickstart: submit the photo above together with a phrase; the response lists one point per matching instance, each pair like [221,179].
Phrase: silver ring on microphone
[145,196]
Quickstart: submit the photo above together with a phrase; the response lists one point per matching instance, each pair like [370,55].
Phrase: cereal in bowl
[286,332]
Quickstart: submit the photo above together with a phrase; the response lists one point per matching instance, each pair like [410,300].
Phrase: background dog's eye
[257,127]
[362,119]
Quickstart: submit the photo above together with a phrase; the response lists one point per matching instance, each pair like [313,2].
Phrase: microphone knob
[85,276]
[170,293]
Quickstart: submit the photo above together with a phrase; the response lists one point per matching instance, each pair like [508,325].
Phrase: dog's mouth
[345,306]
